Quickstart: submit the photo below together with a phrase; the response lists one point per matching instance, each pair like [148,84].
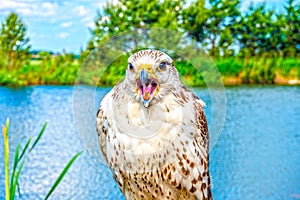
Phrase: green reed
[19,160]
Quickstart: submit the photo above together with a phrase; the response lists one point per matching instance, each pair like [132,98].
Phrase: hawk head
[150,74]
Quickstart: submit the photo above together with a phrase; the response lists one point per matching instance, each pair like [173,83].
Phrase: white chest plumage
[135,126]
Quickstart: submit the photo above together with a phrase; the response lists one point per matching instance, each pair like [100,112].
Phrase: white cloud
[49,9]
[100,4]
[91,25]
[66,24]
[63,35]
[85,14]
[81,11]
[20,7]
[88,22]
[29,7]
[86,19]
[6,4]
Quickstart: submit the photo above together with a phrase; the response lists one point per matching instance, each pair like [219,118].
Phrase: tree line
[218,26]
[256,46]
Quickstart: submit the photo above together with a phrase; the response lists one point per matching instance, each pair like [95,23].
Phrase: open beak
[147,87]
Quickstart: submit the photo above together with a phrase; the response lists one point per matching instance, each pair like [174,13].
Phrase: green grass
[19,160]
[261,70]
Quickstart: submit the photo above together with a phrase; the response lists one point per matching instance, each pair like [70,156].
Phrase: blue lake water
[257,155]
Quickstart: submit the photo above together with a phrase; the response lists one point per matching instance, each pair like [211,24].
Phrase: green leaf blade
[15,164]
[14,185]
[62,174]
[39,136]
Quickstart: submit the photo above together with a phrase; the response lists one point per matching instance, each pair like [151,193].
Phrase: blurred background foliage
[258,46]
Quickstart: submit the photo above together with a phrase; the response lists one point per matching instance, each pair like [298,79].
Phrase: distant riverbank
[279,80]
[234,71]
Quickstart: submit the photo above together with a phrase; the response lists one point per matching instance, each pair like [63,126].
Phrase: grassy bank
[234,71]
[259,71]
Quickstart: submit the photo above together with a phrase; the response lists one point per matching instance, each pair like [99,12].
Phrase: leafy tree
[131,15]
[223,15]
[255,32]
[264,32]
[194,21]
[13,42]
[216,25]
[208,24]
[291,30]
[225,42]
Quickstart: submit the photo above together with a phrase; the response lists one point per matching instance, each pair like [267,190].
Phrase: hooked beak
[143,76]
[147,87]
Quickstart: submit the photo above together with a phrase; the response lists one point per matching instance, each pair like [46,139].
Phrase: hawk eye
[163,66]
[130,66]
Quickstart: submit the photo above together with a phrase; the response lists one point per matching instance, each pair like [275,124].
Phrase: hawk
[153,132]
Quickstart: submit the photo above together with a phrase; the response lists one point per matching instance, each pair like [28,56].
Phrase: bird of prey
[153,132]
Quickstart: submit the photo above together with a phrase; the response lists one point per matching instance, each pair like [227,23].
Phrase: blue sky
[59,24]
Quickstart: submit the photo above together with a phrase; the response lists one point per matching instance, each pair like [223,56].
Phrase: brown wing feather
[192,168]
[202,139]
[102,132]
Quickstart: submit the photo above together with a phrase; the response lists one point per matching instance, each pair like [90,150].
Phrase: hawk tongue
[146,92]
